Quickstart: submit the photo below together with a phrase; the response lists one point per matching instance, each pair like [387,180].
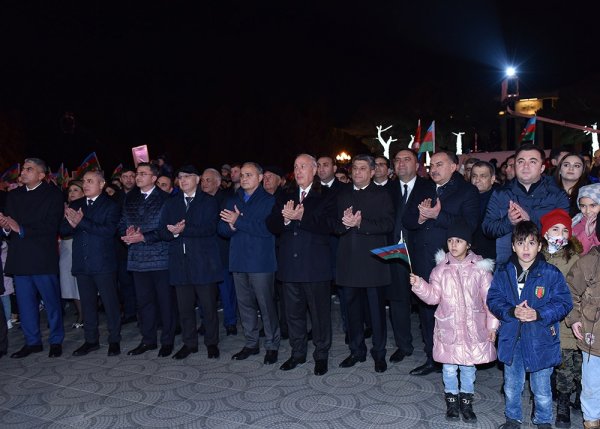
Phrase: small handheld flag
[391,252]
[11,174]
[417,143]
[91,162]
[528,133]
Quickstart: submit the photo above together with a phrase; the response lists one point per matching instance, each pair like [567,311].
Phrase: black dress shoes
[55,351]
[320,366]
[427,368]
[26,351]
[184,352]
[212,351]
[231,330]
[245,353]
[142,348]
[398,356]
[292,363]
[114,349]
[351,361]
[270,357]
[380,365]
[166,350]
[86,348]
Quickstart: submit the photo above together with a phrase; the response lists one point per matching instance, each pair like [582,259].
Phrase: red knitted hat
[554,217]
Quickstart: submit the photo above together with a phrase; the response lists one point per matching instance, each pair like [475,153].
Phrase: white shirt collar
[34,188]
[328,184]
[382,183]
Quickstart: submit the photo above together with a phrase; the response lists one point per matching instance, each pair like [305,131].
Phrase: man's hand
[427,211]
[73,217]
[351,220]
[291,213]
[177,228]
[133,235]
[525,313]
[8,223]
[576,328]
[516,213]
[230,216]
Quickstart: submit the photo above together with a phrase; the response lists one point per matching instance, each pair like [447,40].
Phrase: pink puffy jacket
[462,319]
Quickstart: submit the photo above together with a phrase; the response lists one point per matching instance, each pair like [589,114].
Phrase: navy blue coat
[546,197]
[547,292]
[153,253]
[200,263]
[252,245]
[459,201]
[304,253]
[93,238]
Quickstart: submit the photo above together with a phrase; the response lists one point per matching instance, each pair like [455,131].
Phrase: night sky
[265,80]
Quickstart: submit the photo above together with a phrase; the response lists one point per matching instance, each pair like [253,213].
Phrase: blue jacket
[546,291]
[546,197]
[93,238]
[252,246]
[194,254]
[152,254]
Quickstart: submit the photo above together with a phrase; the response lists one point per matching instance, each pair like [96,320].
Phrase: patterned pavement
[96,391]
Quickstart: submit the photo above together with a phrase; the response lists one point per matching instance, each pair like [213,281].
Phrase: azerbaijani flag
[90,162]
[391,252]
[428,144]
[528,133]
[11,174]
[117,171]
[417,143]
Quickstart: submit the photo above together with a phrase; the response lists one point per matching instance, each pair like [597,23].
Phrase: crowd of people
[504,265]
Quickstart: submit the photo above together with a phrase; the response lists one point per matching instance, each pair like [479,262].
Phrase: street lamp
[343,158]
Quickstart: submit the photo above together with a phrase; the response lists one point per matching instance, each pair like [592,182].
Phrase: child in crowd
[465,330]
[562,250]
[584,223]
[584,320]
[530,297]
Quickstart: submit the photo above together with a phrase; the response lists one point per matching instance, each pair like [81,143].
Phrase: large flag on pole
[428,144]
[90,162]
[11,174]
[417,143]
[528,133]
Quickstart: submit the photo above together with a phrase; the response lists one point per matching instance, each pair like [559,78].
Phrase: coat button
[295,233]
[295,255]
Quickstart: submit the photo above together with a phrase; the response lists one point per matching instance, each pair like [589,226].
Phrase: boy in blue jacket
[529,297]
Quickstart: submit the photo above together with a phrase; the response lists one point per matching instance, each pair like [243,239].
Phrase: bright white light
[510,71]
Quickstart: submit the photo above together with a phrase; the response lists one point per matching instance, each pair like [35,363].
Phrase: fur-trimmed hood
[442,257]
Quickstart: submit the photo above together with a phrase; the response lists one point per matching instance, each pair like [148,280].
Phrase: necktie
[90,202]
[439,190]
[302,196]
[145,195]
[405,196]
[188,200]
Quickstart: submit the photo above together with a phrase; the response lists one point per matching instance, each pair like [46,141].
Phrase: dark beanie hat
[189,169]
[461,230]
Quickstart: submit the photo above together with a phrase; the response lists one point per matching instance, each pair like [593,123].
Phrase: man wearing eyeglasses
[148,259]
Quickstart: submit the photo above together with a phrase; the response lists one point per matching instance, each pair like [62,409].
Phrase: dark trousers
[427,319]
[375,298]
[155,299]
[400,306]
[315,297]
[206,296]
[27,289]
[126,289]
[281,307]
[106,285]
[228,299]
[3,330]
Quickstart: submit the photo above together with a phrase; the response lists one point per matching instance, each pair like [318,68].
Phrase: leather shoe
[231,330]
[142,348]
[380,365]
[55,350]
[86,348]
[351,361]
[212,351]
[427,368]
[184,352]
[398,356]
[26,351]
[292,363]
[165,350]
[320,366]
[245,353]
[114,349]
[270,357]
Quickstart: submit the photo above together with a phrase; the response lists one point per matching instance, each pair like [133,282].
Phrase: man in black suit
[31,221]
[93,221]
[189,223]
[365,219]
[303,218]
[398,293]
[433,208]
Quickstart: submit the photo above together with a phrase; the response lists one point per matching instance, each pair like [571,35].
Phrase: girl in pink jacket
[584,223]
[465,330]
